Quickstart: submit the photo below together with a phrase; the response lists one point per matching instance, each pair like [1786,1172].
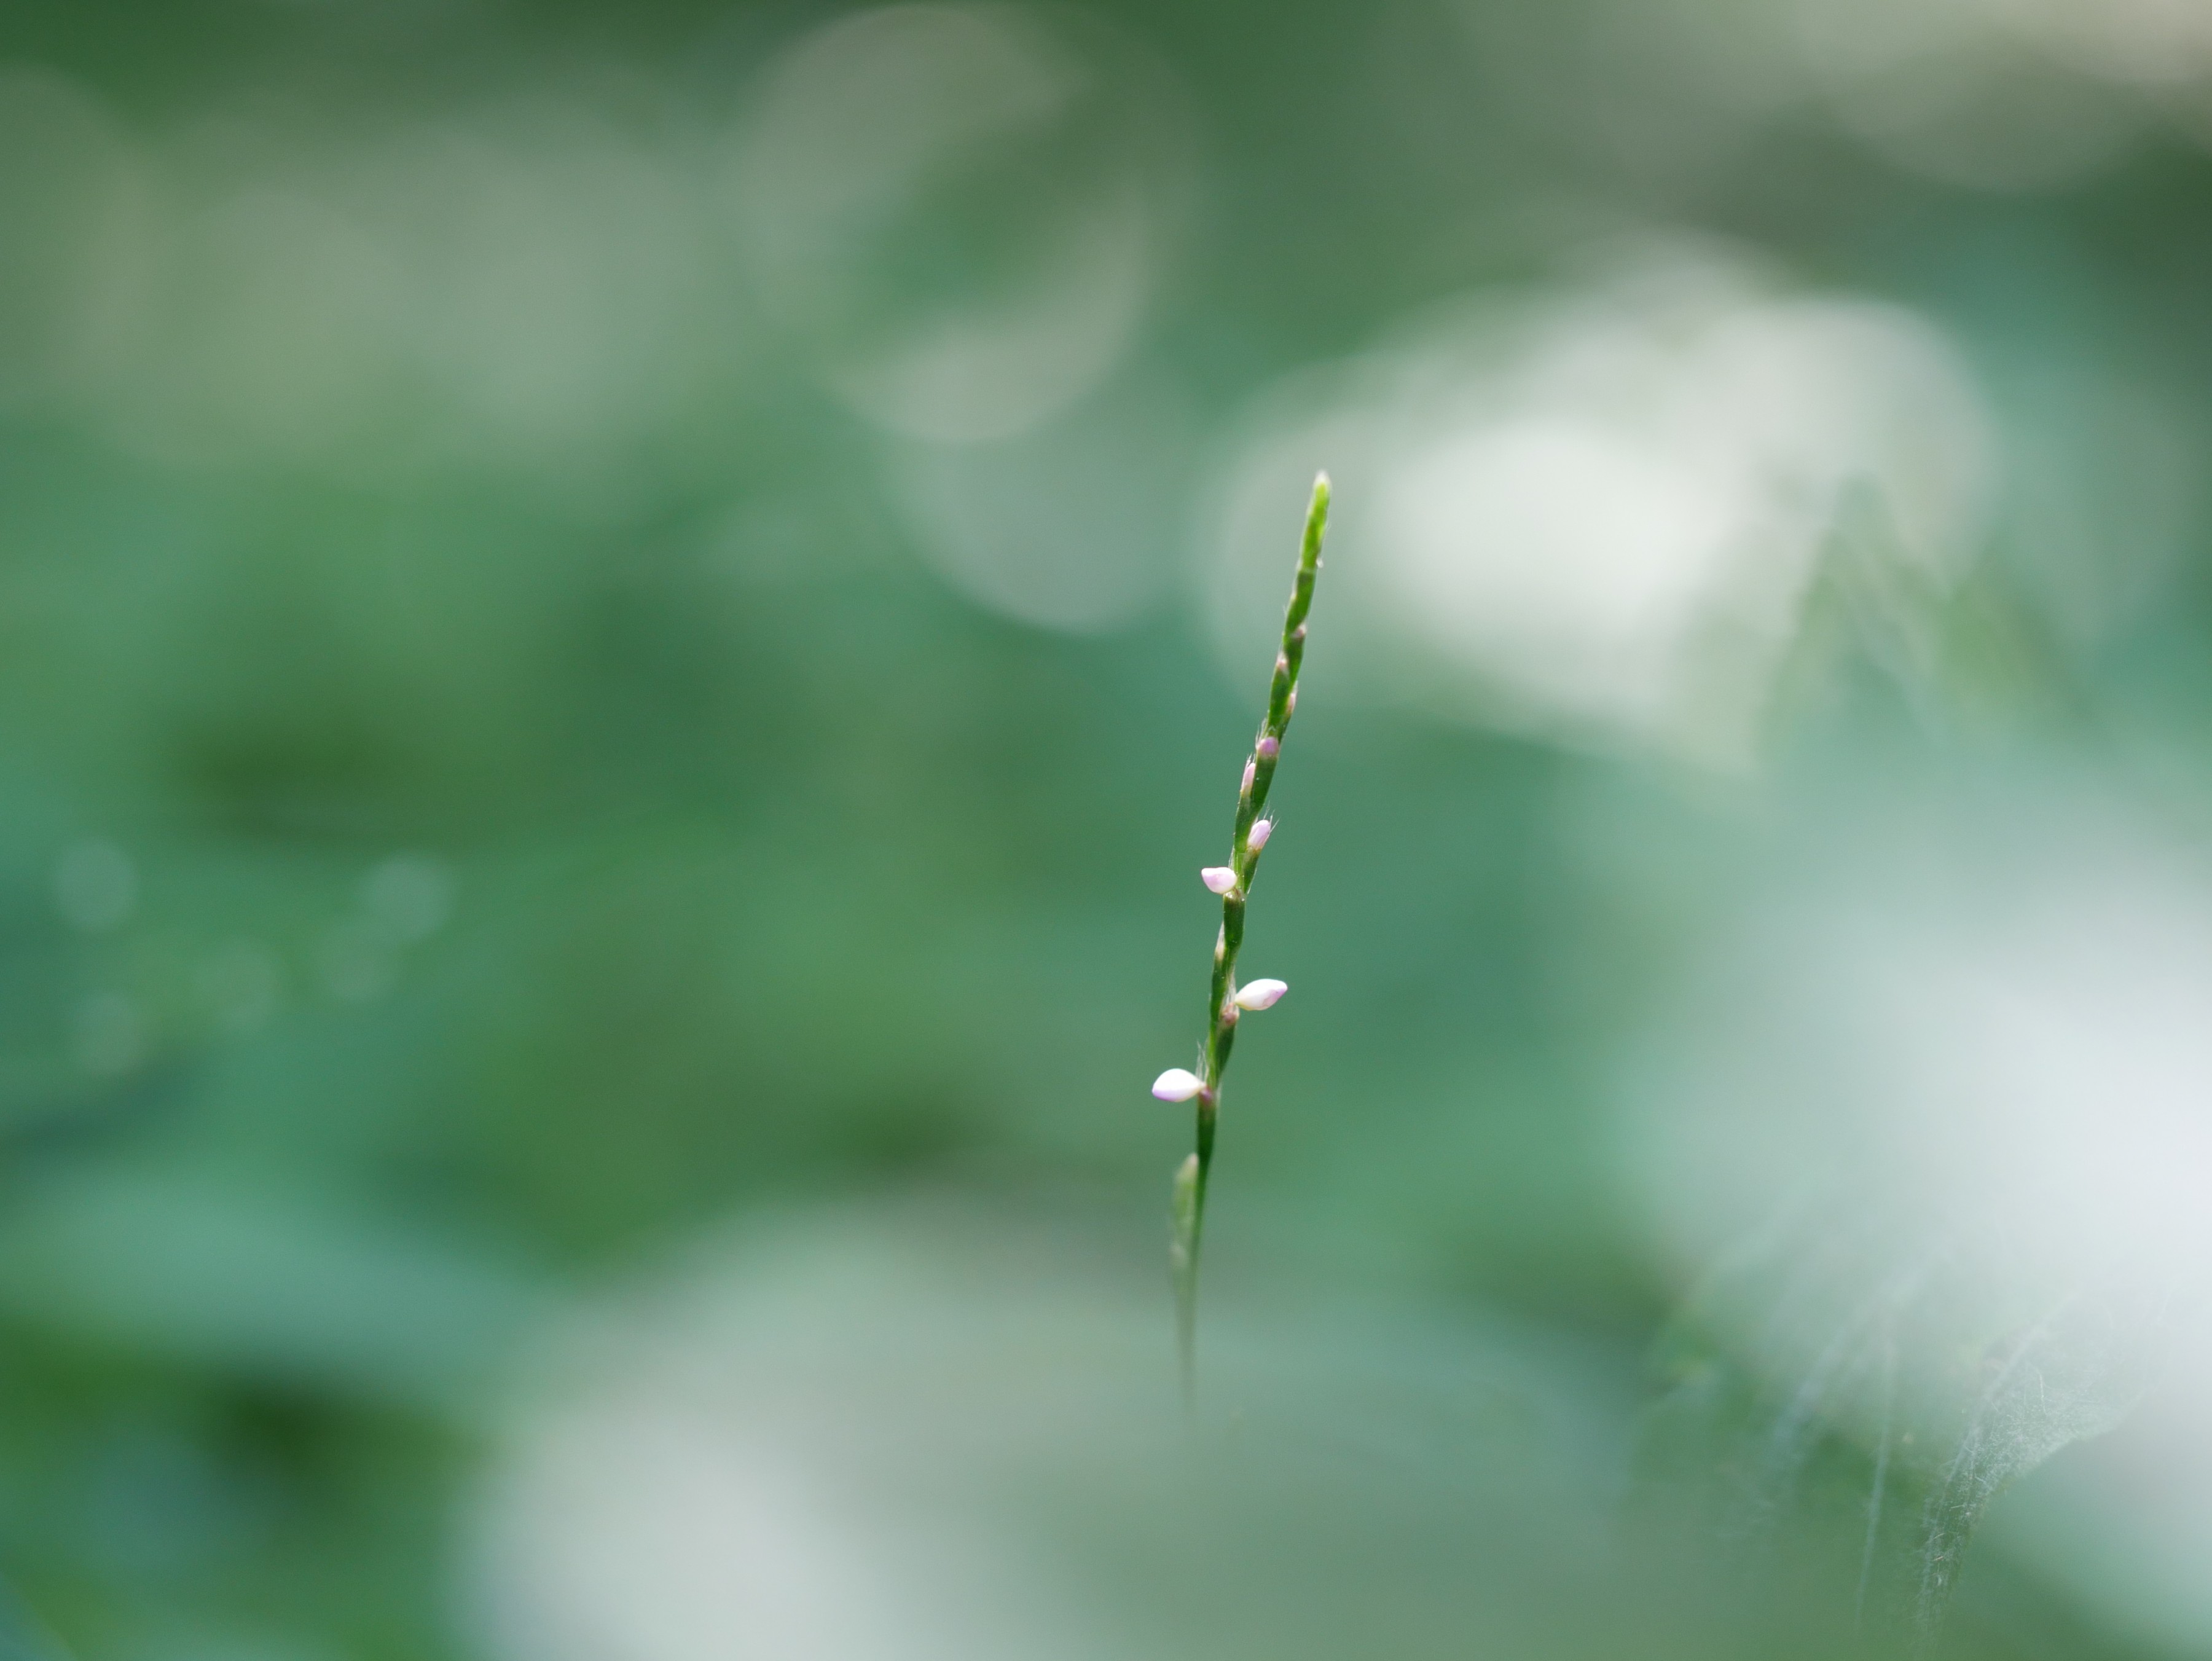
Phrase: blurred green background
[622,628]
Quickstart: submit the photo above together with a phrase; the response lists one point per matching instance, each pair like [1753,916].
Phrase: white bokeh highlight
[1598,514]
[1968,1048]
[866,133]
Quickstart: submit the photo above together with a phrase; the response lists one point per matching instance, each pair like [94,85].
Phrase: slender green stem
[1221,1012]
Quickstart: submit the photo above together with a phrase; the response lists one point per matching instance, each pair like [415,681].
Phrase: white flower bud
[1219,878]
[1176,1085]
[1256,838]
[1260,994]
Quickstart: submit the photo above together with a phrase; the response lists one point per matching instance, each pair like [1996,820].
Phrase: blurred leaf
[257,1284]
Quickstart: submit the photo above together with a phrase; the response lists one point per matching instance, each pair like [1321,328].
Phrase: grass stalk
[1225,1000]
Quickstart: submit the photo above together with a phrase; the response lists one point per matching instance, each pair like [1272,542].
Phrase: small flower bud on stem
[1259,994]
[1177,1084]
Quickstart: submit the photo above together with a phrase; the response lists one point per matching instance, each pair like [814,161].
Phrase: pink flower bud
[1257,837]
[1260,994]
[1221,878]
[1177,1084]
[1250,767]
[1291,704]
[1270,746]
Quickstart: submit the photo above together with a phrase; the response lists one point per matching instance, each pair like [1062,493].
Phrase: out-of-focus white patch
[526,281]
[1957,90]
[801,1461]
[1598,514]
[282,331]
[908,1435]
[2012,96]
[2008,94]
[2152,42]
[1068,525]
[1668,93]
[955,216]
[650,1533]
[2011,1026]
[960,209]
[1972,1052]
[565,284]
[73,230]
[1603,554]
